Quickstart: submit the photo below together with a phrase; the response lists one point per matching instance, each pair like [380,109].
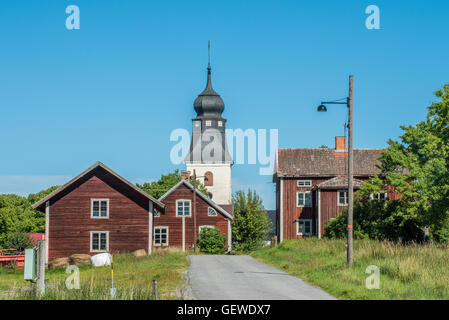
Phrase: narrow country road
[228,277]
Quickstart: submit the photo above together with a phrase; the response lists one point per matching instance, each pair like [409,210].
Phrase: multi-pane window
[156,213]
[183,208]
[342,197]
[161,236]
[208,123]
[303,199]
[304,183]
[304,227]
[99,241]
[211,212]
[100,208]
[379,196]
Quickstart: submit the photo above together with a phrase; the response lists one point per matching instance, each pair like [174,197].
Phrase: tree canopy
[158,188]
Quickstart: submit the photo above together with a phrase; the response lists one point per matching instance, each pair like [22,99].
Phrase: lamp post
[349,104]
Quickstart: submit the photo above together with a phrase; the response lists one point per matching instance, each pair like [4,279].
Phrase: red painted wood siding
[174,223]
[71,222]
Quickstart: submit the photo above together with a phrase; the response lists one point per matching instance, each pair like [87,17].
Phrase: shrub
[211,241]
[17,240]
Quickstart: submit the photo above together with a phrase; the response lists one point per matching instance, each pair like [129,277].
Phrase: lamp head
[322,108]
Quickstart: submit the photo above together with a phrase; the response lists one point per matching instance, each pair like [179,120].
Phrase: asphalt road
[233,277]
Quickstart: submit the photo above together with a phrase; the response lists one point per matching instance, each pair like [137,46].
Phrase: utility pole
[194,210]
[350,257]
[41,258]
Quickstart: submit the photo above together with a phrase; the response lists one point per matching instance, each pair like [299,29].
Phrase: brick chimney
[340,144]
[185,175]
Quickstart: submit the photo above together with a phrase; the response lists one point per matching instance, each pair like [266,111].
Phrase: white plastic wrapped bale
[101,259]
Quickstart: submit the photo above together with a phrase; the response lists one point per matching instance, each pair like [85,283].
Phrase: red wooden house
[176,227]
[97,211]
[312,186]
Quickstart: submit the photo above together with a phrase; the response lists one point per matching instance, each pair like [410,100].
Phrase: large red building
[312,186]
[100,211]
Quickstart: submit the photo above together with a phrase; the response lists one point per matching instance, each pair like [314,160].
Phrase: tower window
[197,123]
[208,179]
[220,123]
[208,123]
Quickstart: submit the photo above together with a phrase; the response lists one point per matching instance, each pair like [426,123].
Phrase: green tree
[251,223]
[17,240]
[158,188]
[417,167]
[211,241]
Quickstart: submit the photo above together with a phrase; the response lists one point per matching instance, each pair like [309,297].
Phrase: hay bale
[59,263]
[139,253]
[79,259]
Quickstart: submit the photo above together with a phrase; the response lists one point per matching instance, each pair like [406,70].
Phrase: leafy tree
[16,214]
[323,146]
[211,241]
[17,240]
[158,188]
[251,223]
[417,167]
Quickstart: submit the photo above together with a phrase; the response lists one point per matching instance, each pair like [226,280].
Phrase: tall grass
[406,271]
[133,278]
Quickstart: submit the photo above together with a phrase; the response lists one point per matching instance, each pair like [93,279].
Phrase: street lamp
[349,104]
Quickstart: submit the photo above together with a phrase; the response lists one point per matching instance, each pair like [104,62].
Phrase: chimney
[340,144]
[185,175]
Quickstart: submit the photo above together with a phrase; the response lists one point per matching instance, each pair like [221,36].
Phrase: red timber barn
[176,228]
[97,211]
[312,186]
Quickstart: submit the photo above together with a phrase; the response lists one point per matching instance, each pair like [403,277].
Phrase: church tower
[208,154]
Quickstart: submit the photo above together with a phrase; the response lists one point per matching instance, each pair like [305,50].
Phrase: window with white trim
[99,208]
[382,195]
[342,197]
[211,212]
[208,123]
[220,123]
[304,227]
[303,199]
[183,208]
[160,236]
[99,241]
[304,183]
[202,227]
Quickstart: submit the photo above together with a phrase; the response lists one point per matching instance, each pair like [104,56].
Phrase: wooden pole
[155,297]
[350,257]
[41,259]
[194,210]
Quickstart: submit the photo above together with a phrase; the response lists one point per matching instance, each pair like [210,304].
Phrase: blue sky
[115,89]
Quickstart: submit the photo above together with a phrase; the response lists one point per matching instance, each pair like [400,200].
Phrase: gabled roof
[91,168]
[201,195]
[340,182]
[325,162]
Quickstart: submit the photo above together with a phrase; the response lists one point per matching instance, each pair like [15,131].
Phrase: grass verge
[133,278]
[406,271]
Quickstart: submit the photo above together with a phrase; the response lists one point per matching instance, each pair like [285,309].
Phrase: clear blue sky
[115,89]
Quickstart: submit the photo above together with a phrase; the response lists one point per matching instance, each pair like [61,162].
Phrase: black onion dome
[209,104]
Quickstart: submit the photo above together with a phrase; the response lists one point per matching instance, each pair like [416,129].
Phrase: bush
[251,223]
[17,240]
[211,241]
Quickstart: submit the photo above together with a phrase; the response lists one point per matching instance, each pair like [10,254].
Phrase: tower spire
[208,56]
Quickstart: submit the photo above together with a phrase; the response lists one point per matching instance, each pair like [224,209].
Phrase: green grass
[133,278]
[406,271]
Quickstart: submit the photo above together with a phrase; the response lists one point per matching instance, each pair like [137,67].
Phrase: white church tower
[208,154]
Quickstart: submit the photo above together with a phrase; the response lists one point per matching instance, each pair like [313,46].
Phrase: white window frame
[154,236]
[197,123]
[303,221]
[305,205]
[377,196]
[346,197]
[99,208]
[190,207]
[204,226]
[208,123]
[99,241]
[220,123]
[211,215]
[306,183]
